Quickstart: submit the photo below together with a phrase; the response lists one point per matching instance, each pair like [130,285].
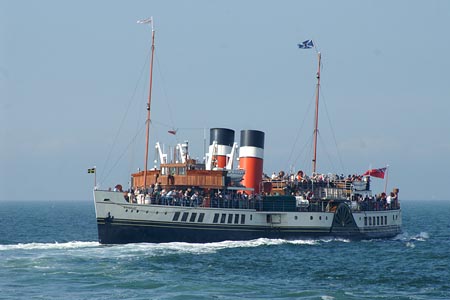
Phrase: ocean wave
[49,246]
[154,249]
[194,248]
[406,237]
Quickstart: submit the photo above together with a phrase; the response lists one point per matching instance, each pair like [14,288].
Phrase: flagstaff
[148,21]
[316,119]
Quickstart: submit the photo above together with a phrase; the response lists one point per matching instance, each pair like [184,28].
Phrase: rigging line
[125,114]
[307,158]
[299,131]
[123,153]
[171,127]
[332,131]
[163,86]
[327,153]
[307,145]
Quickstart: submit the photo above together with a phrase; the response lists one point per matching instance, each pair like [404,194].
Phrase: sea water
[49,250]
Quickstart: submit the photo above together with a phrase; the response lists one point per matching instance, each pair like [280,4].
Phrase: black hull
[123,232]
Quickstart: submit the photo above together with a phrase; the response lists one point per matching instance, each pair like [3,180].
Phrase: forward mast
[316,116]
[147,135]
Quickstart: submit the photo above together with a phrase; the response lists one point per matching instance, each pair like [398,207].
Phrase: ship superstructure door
[273,218]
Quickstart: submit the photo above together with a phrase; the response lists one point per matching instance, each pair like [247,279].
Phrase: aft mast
[148,21]
[316,118]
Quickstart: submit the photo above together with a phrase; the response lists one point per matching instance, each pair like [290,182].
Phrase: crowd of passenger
[299,184]
[301,179]
[192,197]
[317,178]
[381,201]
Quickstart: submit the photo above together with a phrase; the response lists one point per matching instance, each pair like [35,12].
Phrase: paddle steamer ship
[184,200]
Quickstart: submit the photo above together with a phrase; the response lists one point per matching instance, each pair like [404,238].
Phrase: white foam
[154,249]
[50,246]
[410,245]
[422,237]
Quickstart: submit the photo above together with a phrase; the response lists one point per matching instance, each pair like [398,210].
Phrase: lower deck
[122,222]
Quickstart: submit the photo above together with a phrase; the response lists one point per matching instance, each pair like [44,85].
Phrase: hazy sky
[73,88]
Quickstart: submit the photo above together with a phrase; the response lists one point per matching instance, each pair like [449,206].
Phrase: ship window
[311,217]
[378,220]
[181,171]
[320,217]
[184,217]
[385,220]
[173,170]
[216,218]
[200,217]
[222,218]
[230,218]
[381,220]
[251,217]
[193,216]
[365,221]
[176,216]
[164,170]
[243,219]
[370,221]
[236,219]
[296,217]
[373,221]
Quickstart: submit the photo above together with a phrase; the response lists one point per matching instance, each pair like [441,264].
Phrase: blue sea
[49,250]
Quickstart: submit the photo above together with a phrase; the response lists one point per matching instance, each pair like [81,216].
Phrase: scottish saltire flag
[308,44]
[91,170]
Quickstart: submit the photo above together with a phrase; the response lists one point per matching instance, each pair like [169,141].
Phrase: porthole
[320,217]
[295,217]
[137,210]
[146,212]
[165,213]
[156,212]
[311,217]
[126,210]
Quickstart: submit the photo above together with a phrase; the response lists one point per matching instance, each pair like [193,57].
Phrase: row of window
[192,218]
[373,221]
[229,219]
[224,218]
